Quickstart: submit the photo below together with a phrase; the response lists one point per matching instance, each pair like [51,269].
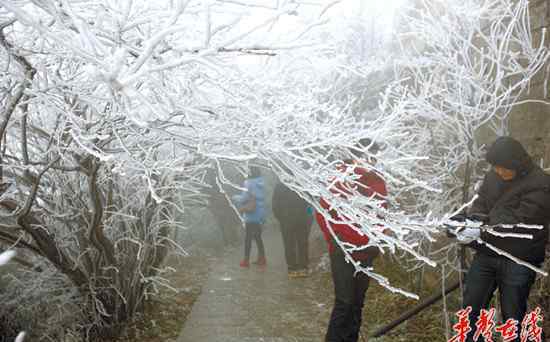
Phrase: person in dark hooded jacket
[514,191]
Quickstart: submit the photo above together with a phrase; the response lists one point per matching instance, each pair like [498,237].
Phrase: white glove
[467,235]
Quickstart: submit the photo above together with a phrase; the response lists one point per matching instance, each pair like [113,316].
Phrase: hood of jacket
[509,153]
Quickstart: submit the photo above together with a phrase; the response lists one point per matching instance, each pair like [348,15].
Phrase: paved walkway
[256,304]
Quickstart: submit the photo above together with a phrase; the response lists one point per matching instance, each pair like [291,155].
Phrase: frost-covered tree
[5,257]
[111,113]
[113,110]
[465,65]
[454,68]
[108,113]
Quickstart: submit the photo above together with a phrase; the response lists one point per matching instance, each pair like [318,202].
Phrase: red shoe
[244,264]
[261,261]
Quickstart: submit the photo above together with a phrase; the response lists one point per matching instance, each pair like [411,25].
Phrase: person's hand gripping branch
[466,228]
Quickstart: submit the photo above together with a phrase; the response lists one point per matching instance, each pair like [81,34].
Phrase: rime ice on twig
[509,235]
[6,256]
[20,337]
[513,258]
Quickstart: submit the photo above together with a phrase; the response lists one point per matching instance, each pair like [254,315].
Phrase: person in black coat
[295,221]
[514,191]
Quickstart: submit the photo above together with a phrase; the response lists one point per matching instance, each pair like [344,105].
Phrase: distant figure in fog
[295,218]
[252,204]
[226,218]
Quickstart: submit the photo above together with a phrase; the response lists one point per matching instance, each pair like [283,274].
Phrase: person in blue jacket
[251,203]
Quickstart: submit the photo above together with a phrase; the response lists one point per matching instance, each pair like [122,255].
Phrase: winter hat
[509,153]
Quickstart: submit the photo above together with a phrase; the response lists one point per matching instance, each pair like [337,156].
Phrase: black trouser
[349,293]
[295,241]
[253,231]
[513,281]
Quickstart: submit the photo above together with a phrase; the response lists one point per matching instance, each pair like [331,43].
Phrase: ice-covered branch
[513,258]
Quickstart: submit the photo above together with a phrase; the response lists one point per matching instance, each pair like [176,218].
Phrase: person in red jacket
[350,288]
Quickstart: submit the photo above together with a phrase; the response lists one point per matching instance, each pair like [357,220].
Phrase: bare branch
[95,230]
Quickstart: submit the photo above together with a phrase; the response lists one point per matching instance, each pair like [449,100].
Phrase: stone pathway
[257,304]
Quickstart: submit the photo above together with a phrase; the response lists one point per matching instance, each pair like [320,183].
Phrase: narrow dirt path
[256,304]
[263,305]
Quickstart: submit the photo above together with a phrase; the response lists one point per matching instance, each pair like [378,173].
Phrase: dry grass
[165,315]
[382,306]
